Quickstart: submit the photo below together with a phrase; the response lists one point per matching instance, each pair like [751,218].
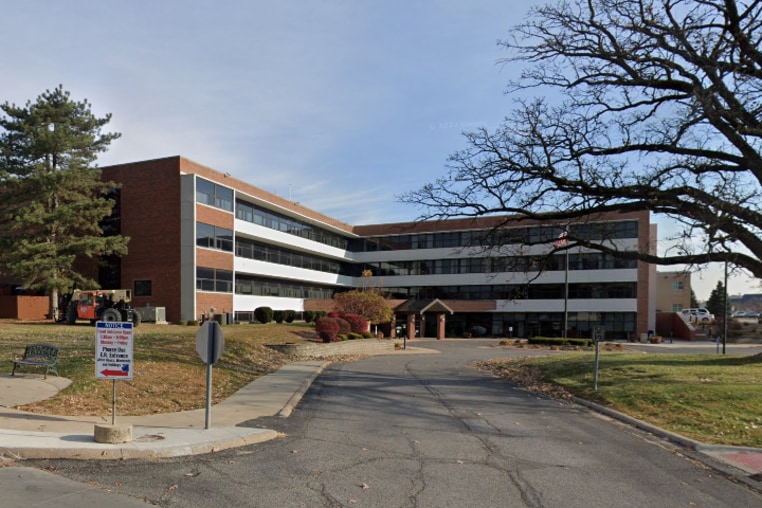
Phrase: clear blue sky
[340,105]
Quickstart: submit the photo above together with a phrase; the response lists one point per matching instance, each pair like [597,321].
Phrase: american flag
[563,239]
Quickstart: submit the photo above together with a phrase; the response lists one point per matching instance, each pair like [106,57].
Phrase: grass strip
[715,399]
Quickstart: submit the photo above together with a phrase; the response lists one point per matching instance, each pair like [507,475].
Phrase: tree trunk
[54,304]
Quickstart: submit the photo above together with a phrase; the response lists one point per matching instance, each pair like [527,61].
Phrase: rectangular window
[244,211]
[677,285]
[205,191]
[224,281]
[212,194]
[224,239]
[212,279]
[223,198]
[214,237]
[142,288]
[204,235]
[205,279]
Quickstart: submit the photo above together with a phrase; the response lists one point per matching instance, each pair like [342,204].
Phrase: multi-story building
[673,291]
[200,238]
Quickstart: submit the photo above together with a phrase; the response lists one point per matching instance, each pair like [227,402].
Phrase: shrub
[327,329]
[357,323]
[354,336]
[278,316]
[309,316]
[263,314]
[344,327]
[559,341]
[289,316]
[368,335]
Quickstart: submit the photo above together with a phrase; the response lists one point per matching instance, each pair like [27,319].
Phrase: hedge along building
[200,238]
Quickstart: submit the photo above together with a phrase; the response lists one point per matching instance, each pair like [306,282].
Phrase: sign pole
[209,345]
[597,356]
[113,403]
[208,419]
[210,354]
[598,335]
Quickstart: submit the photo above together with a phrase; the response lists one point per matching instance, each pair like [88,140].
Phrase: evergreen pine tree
[52,197]
[716,302]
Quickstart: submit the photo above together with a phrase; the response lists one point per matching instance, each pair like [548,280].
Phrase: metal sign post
[113,355]
[598,335]
[209,345]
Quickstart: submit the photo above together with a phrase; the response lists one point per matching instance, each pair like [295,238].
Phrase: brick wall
[150,195]
[24,308]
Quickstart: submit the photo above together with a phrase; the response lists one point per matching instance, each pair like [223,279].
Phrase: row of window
[583,291]
[254,250]
[222,239]
[586,261]
[259,286]
[210,279]
[219,196]
[260,216]
[522,235]
[579,323]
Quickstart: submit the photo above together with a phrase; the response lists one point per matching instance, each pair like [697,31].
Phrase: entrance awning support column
[441,326]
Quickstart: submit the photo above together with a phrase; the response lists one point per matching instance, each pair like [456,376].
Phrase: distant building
[200,238]
[746,302]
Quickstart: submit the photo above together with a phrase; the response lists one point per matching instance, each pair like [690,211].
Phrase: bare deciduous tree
[641,104]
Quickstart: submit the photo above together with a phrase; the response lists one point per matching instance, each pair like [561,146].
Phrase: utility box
[153,314]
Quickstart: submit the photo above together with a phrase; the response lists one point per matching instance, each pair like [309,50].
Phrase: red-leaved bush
[357,323]
[328,329]
[344,328]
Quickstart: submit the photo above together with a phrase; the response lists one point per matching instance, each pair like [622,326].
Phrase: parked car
[698,314]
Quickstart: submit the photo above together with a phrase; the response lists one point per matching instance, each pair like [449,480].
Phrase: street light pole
[725,311]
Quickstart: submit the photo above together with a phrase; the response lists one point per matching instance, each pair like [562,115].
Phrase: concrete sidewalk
[26,435]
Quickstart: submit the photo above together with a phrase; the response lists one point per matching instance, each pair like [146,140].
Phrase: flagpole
[563,241]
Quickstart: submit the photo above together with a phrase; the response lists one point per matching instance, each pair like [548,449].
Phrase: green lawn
[168,373]
[710,398]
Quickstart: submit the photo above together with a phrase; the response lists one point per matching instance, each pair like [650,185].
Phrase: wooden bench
[39,355]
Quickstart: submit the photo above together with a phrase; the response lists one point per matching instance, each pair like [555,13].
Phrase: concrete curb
[292,402]
[709,455]
[150,443]
[670,436]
